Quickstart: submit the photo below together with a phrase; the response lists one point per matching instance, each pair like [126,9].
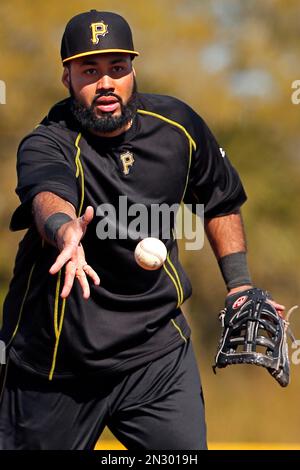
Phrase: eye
[117,68]
[90,72]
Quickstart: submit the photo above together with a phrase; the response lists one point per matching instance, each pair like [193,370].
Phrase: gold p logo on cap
[98,29]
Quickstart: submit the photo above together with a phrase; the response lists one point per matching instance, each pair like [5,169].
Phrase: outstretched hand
[72,255]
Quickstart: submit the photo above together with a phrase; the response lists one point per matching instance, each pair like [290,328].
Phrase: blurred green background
[234,62]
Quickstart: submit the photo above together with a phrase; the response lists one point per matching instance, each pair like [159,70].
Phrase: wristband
[235,270]
[53,223]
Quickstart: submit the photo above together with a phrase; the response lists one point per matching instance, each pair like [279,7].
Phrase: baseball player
[92,339]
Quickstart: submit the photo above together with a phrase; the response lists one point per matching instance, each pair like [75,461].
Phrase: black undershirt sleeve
[213,181]
[41,166]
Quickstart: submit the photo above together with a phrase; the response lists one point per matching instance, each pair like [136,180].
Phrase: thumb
[88,216]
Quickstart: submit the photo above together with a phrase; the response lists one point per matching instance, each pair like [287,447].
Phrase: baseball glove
[254,333]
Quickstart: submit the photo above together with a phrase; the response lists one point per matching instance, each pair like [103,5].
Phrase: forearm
[226,234]
[67,239]
[46,204]
[228,241]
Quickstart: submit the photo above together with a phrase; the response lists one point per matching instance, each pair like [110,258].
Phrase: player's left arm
[215,183]
[226,235]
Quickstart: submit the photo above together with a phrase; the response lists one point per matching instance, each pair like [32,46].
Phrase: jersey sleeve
[213,181]
[41,166]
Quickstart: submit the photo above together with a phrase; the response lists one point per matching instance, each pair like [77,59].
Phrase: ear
[134,72]
[66,77]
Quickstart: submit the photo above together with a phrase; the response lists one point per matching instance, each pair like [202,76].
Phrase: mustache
[106,94]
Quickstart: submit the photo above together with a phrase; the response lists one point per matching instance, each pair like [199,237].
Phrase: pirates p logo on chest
[127,160]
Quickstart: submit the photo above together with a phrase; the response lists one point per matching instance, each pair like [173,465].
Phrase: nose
[105,83]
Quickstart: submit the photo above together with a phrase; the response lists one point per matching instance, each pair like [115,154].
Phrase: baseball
[150,253]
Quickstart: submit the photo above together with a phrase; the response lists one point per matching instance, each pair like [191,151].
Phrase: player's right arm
[47,185]
[67,239]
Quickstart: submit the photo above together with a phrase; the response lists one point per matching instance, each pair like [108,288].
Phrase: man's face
[103,91]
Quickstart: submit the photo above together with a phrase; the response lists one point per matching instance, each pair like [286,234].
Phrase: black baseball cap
[96,32]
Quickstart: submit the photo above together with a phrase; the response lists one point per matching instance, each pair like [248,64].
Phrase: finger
[81,277]
[69,279]
[62,259]
[280,310]
[277,306]
[87,217]
[92,274]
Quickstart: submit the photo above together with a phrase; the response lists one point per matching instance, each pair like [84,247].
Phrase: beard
[88,120]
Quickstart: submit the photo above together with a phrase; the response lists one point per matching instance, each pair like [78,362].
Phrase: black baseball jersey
[167,156]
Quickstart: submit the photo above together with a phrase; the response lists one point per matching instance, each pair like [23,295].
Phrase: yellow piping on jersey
[57,289]
[174,282]
[192,143]
[61,320]
[189,167]
[79,170]
[180,296]
[170,121]
[22,305]
[23,301]
[192,146]
[179,329]
[58,327]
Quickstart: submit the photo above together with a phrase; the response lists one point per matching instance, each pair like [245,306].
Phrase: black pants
[158,406]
